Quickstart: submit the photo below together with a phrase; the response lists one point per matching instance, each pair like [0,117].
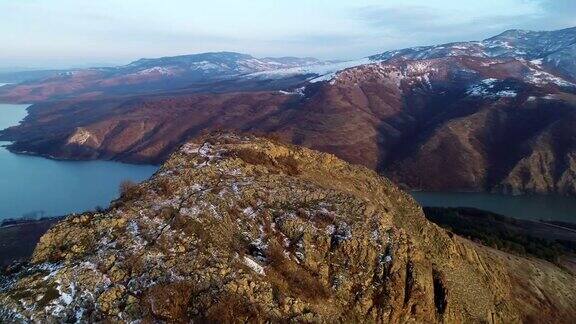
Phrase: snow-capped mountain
[543,58]
[210,65]
[546,57]
[553,49]
[321,71]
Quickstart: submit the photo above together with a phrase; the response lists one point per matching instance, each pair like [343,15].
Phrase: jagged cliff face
[239,228]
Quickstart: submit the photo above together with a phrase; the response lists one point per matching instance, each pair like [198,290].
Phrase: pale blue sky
[58,33]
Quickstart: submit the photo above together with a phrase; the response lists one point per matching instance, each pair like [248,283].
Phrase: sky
[73,33]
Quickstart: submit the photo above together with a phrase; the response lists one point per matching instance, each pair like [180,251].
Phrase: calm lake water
[523,207]
[35,185]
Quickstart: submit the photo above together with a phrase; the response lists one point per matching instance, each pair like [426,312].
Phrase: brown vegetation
[130,190]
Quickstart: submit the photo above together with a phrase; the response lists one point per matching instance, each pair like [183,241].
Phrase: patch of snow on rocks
[249,211]
[156,70]
[506,94]
[254,266]
[330,229]
[298,92]
[542,78]
[486,88]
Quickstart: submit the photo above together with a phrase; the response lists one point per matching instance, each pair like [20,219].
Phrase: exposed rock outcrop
[240,228]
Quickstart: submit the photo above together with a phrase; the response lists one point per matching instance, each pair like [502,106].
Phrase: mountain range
[148,75]
[555,49]
[495,115]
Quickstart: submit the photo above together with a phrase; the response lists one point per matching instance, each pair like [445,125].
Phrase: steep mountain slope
[488,124]
[148,75]
[239,228]
[138,130]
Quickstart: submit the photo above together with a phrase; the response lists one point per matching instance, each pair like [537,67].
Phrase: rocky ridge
[241,228]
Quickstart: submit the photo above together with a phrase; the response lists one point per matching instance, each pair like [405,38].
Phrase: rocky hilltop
[246,229]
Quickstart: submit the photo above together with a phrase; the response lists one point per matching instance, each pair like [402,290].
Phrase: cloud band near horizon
[64,33]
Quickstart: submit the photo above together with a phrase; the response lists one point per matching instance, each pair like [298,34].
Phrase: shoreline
[29,180]
[62,159]
[10,222]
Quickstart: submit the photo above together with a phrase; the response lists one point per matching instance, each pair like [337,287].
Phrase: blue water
[41,187]
[523,207]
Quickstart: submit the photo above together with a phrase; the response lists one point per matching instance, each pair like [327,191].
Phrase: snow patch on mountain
[298,92]
[554,48]
[156,70]
[540,77]
[254,266]
[491,88]
[206,65]
[315,73]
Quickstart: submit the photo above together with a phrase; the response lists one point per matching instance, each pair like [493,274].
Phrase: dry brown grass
[234,308]
[220,233]
[292,279]
[130,190]
[168,302]
[165,187]
[286,164]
